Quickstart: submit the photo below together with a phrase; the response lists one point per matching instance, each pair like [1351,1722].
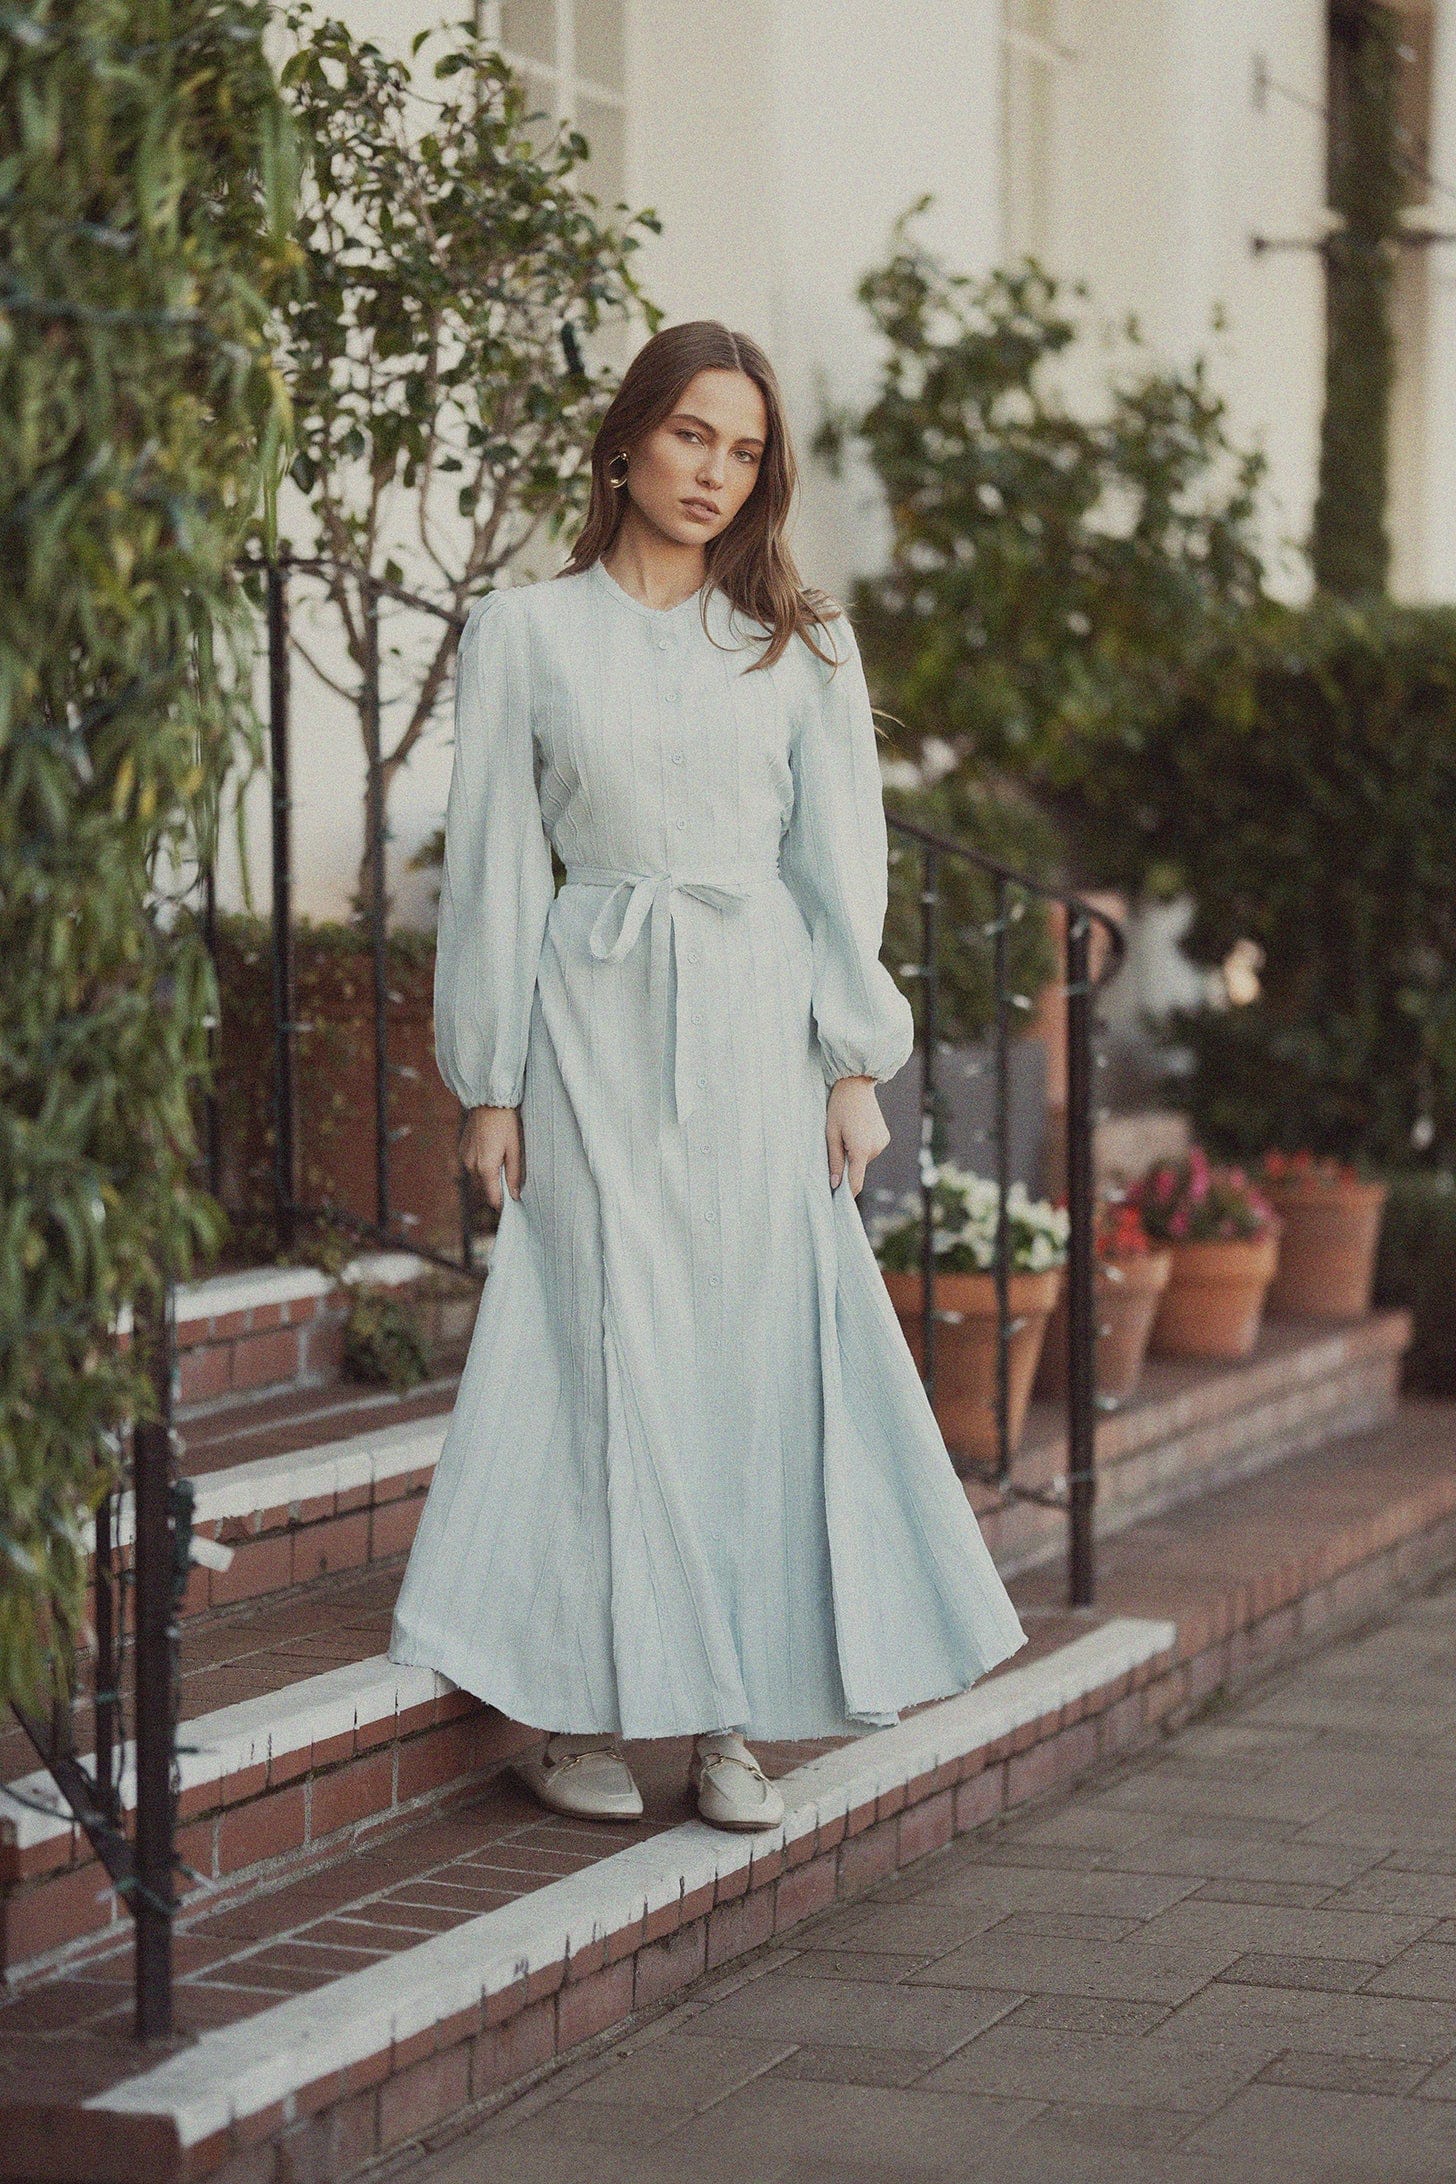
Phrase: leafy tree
[1050,574]
[438,424]
[143,221]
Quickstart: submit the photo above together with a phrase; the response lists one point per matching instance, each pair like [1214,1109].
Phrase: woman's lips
[700,508]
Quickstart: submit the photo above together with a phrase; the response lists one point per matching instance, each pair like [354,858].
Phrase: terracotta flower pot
[965,1350]
[1214,1300]
[1127,1294]
[1327,1247]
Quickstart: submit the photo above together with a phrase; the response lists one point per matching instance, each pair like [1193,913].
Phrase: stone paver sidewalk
[1231,1959]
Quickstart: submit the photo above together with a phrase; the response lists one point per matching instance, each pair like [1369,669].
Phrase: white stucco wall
[778,139]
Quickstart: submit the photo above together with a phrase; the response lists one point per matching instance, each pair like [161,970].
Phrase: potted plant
[1331,1229]
[1223,1238]
[964,1224]
[1131,1275]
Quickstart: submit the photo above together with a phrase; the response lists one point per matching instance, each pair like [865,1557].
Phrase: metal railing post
[1081,1270]
[106,1665]
[374,909]
[1001,973]
[284,1081]
[929,1024]
[156,1687]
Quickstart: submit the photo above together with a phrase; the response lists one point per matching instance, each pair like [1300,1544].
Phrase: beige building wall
[1138,145]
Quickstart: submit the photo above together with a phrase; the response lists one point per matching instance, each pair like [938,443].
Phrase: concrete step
[329,2020]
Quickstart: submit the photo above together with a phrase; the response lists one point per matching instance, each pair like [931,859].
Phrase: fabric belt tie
[650,898]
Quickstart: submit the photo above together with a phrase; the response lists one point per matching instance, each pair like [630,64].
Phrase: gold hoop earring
[620,457]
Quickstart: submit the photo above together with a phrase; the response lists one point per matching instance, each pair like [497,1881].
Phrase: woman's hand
[855,1130]
[491,1140]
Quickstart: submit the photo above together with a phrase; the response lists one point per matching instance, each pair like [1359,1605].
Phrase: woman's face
[691,474]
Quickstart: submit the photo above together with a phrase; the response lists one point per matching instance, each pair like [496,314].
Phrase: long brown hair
[750,561]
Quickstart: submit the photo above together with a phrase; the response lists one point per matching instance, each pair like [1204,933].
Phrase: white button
[679,824]
[702,1080]
[697,1016]
[709,1216]
[677,758]
[713,1280]
[661,643]
[670,696]
[694,954]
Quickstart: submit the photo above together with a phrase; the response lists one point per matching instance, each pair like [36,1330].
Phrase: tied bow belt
[650,898]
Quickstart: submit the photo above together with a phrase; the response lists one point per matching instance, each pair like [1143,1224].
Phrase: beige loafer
[588,1780]
[733,1790]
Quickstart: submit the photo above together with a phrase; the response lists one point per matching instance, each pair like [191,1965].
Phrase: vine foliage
[1350,545]
[143,223]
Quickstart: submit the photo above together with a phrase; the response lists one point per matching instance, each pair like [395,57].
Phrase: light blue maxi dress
[692,1480]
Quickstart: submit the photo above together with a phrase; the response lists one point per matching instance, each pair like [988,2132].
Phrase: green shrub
[1416,1268]
[384,1338]
[1303,795]
[143,225]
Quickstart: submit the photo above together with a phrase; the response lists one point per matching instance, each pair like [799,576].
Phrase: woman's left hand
[855,1130]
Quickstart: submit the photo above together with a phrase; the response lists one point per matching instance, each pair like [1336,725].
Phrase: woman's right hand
[491,1140]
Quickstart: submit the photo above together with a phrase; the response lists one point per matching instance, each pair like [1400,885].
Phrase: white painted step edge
[240,2070]
[233,1737]
[253,1287]
[275,1482]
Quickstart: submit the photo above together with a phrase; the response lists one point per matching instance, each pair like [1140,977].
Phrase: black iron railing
[1076,1491]
[142,1867]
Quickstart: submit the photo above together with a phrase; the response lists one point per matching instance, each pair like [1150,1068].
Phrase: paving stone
[1069,1925]
[851,2066]
[1298,1894]
[1343,2073]
[679,2072]
[1249,1858]
[881,1965]
[931,1928]
[1271,1797]
[1097,2124]
[1371,1937]
[853,2013]
[1085,2013]
[1038,1888]
[1337,2024]
[883,2129]
[1334,1975]
[1427,1969]
[1136,1971]
[1125,2070]
[1353,2135]
[1392,1888]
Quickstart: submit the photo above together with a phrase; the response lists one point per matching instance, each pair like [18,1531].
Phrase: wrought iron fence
[1075,1491]
[143,1867]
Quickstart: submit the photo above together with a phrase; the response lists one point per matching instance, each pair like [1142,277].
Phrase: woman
[692,1483]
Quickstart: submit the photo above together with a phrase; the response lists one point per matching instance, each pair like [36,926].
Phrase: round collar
[605,577]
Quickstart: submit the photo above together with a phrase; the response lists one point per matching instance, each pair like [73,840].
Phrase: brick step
[1193,1427]
[344,2016]
[265,1330]
[337,1519]
[296,1735]
[317,1486]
